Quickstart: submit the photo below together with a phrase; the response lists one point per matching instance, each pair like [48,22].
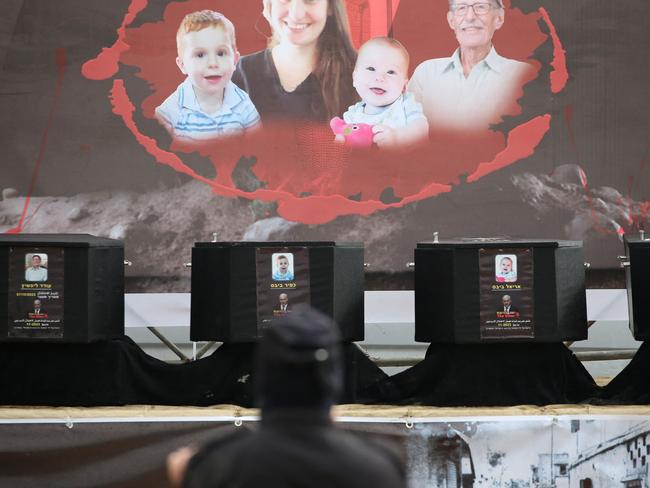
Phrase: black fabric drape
[632,385]
[118,372]
[491,375]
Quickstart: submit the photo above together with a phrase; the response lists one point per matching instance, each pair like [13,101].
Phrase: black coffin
[234,295]
[76,295]
[637,277]
[459,291]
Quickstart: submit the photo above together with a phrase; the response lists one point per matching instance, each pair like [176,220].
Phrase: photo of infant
[282,266]
[505,268]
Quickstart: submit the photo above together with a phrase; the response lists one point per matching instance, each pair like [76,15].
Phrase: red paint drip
[105,64]
[61,62]
[522,141]
[559,76]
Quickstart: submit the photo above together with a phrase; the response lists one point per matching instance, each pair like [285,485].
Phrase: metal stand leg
[169,344]
[204,349]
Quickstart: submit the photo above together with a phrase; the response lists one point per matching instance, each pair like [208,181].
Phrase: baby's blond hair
[388,42]
[203,19]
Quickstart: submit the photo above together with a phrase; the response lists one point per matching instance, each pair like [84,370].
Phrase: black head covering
[299,361]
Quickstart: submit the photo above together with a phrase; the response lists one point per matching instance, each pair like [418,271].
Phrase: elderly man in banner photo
[36,272]
[475,86]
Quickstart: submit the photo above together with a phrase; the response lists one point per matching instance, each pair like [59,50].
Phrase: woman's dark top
[257,75]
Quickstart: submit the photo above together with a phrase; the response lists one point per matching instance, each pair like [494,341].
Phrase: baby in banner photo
[283,270]
[207,105]
[506,269]
[390,115]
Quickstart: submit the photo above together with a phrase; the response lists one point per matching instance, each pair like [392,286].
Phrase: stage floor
[343,413]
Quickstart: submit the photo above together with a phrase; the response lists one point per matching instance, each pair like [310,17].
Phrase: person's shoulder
[515,65]
[228,445]
[253,70]
[434,65]
[409,100]
[226,437]
[509,65]
[172,102]
[256,56]
[254,60]
[239,95]
[411,107]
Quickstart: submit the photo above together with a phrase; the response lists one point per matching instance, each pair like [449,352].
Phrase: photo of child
[505,268]
[207,105]
[380,77]
[282,266]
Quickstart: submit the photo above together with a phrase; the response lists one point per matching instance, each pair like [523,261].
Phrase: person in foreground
[298,378]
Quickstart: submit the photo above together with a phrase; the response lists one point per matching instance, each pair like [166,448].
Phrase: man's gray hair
[499,3]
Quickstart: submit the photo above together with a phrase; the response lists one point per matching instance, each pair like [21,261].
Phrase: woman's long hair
[335,59]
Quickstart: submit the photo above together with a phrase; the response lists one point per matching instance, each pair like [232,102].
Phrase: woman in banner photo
[306,72]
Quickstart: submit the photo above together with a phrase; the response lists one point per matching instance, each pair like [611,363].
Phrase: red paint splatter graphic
[559,75]
[312,179]
[60,60]
[519,146]
[105,65]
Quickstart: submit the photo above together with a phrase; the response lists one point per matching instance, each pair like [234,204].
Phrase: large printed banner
[160,121]
[456,452]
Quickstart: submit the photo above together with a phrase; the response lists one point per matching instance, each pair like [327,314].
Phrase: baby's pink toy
[356,135]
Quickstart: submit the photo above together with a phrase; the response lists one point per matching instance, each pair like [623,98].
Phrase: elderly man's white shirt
[450,100]
[36,274]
